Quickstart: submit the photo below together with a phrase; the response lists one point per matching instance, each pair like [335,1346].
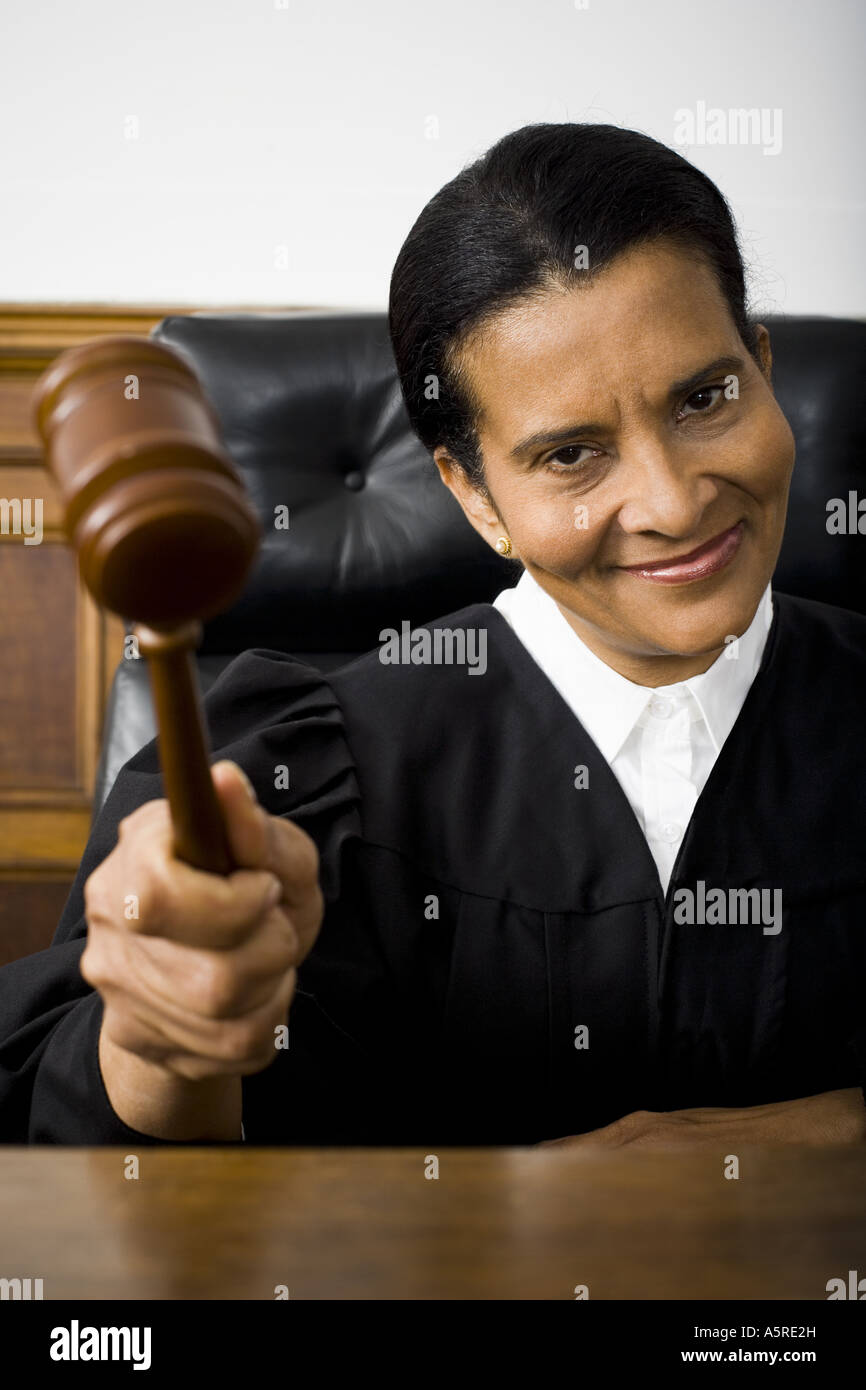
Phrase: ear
[474,498]
[765,352]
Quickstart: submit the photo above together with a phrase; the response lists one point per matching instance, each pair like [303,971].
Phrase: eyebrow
[728,363]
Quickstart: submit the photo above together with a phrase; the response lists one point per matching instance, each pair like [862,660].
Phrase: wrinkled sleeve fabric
[280,720]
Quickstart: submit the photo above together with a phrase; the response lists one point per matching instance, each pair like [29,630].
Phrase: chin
[697,628]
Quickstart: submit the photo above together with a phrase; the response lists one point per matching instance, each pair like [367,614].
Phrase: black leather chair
[311,412]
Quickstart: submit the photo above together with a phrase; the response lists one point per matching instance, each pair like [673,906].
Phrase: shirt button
[662,709]
[671,831]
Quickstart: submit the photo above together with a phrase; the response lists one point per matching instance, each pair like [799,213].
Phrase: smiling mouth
[697,564]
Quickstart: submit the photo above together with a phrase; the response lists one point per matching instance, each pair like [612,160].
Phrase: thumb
[246,820]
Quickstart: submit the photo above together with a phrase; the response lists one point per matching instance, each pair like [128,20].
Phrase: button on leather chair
[311,412]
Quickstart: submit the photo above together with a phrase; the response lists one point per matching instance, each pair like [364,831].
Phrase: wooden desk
[367,1224]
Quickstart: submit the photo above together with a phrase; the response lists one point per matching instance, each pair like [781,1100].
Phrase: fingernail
[275,892]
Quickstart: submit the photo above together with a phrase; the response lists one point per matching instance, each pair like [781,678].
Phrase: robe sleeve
[280,720]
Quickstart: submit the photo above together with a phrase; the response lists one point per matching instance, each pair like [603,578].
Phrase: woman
[613,891]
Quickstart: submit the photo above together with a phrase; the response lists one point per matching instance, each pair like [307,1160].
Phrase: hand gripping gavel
[164,532]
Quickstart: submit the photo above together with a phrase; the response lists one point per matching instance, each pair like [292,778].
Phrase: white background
[306,127]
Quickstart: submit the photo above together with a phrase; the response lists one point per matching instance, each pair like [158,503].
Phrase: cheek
[764,456]
[560,530]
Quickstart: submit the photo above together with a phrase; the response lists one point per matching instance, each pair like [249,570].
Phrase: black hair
[507,228]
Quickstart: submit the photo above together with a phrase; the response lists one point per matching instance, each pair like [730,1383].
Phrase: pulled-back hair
[507,228]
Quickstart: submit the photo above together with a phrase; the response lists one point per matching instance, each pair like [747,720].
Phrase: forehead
[651,317]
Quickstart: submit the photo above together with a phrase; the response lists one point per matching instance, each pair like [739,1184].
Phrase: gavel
[165,537]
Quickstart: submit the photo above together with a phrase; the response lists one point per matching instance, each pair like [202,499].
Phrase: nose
[662,492]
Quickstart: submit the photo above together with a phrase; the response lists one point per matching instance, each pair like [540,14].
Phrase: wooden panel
[38,733]
[23,480]
[20,442]
[32,334]
[29,913]
[40,837]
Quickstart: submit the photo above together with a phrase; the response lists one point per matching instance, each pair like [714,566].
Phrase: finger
[154,893]
[165,897]
[196,1047]
[261,840]
[607,1138]
[246,820]
[181,981]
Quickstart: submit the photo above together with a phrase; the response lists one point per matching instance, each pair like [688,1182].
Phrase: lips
[707,559]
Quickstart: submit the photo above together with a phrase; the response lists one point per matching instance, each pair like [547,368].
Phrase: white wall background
[304,124]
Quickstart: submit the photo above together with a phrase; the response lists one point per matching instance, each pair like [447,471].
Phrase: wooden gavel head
[152,502]
[164,533]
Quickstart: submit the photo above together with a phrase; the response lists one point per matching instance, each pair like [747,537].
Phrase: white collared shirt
[662,742]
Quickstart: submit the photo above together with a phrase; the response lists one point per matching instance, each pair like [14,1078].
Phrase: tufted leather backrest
[311,412]
[819,377]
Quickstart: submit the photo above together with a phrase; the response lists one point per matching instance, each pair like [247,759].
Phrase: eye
[570,464]
[704,400]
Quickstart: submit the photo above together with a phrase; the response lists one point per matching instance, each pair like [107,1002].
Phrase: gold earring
[503,545]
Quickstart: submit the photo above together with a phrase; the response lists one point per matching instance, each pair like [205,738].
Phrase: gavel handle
[200,837]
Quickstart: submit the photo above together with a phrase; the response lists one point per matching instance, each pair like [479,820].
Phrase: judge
[606,885]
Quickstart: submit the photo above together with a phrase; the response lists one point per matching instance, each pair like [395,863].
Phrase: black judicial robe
[485,914]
